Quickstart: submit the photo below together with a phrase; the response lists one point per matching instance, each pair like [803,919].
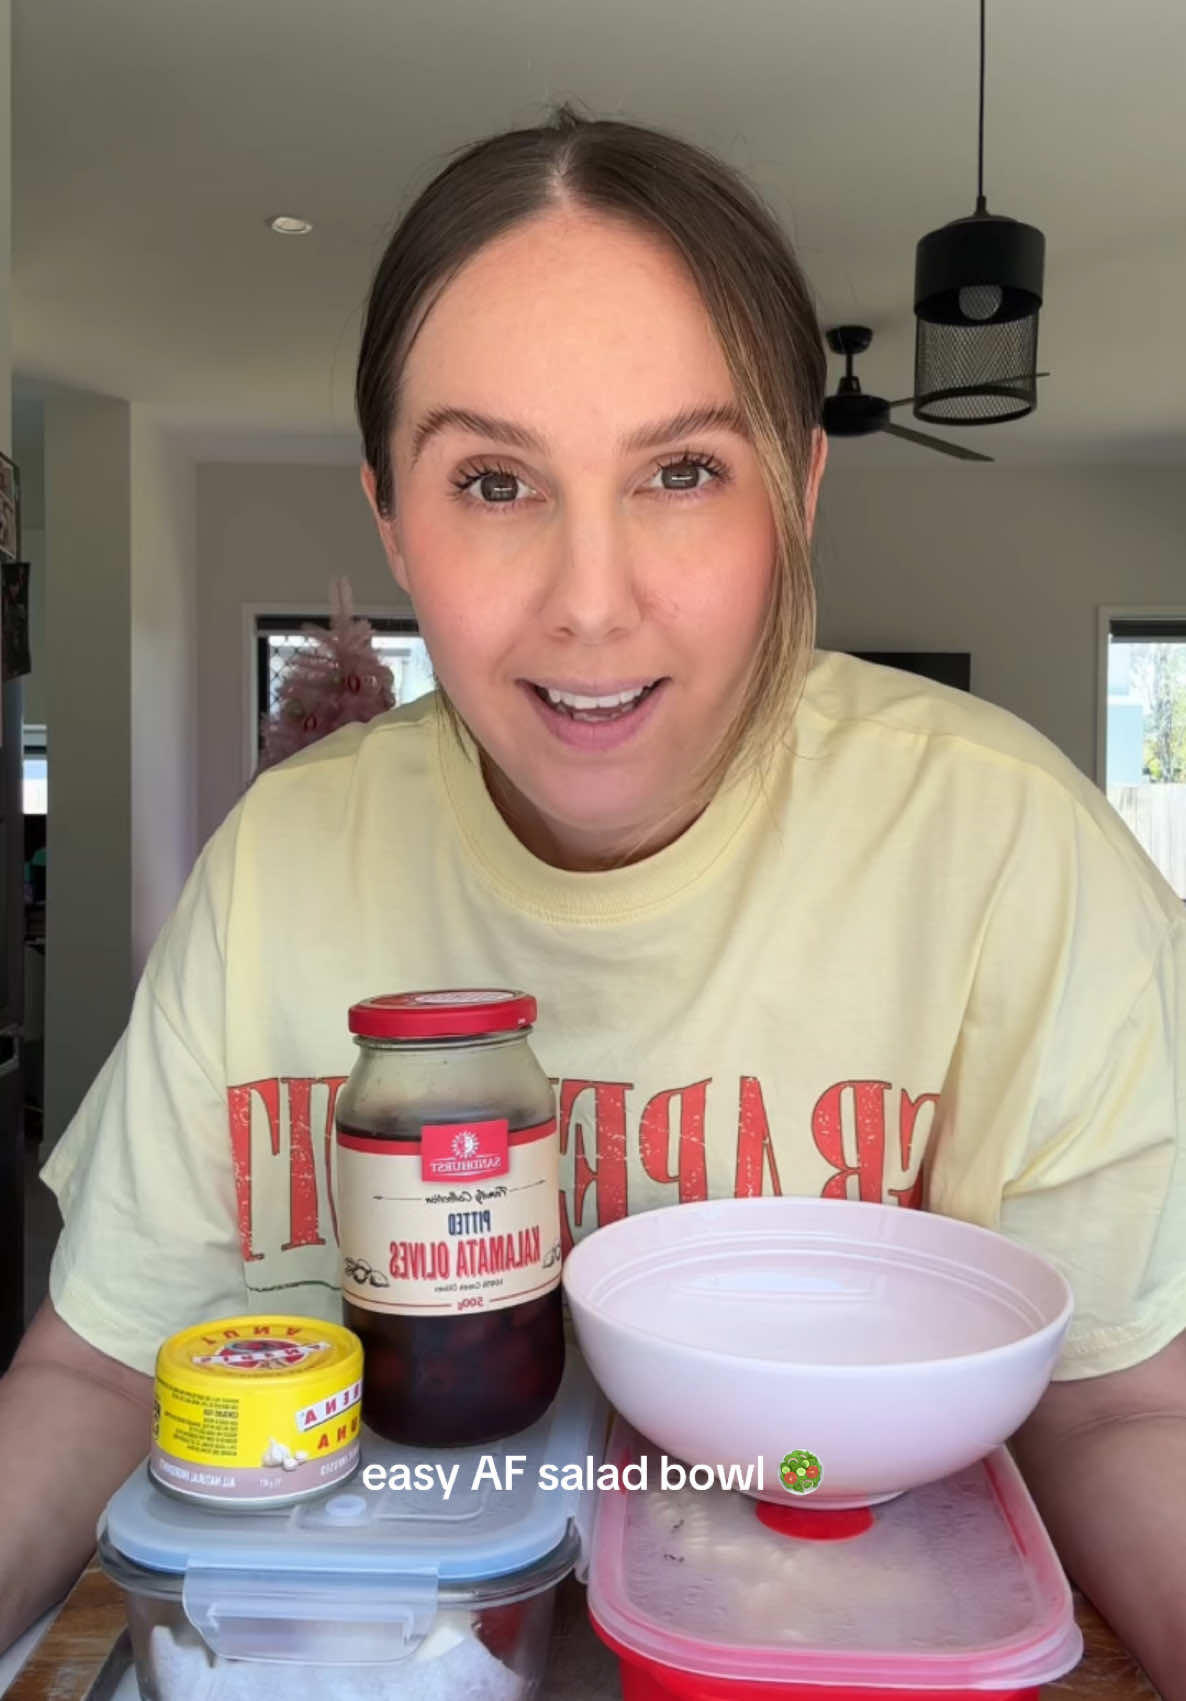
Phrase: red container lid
[953,1589]
[455,1013]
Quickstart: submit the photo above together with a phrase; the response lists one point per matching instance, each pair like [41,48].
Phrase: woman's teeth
[601,708]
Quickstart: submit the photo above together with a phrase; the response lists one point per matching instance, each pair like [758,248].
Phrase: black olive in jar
[448,1205]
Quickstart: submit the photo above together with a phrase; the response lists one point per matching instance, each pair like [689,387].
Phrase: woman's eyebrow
[725,416]
[480,424]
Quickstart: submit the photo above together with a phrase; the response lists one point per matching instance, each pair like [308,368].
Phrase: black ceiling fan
[851,413]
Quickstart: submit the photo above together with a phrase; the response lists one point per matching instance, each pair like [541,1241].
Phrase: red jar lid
[449,1014]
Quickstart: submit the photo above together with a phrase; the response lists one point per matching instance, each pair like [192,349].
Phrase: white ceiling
[153,138]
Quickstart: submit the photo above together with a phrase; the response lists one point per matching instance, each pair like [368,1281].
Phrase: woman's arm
[1105,1458]
[73,1423]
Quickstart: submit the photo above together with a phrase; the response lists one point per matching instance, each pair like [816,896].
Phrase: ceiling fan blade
[905,401]
[956,449]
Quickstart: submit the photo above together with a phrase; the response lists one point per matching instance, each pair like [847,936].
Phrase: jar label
[467,1218]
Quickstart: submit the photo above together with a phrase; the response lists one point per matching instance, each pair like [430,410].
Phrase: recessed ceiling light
[285,226]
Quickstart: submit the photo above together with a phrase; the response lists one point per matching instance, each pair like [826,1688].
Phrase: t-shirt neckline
[559,894]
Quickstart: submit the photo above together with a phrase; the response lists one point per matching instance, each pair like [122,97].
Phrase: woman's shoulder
[984,769]
[337,815]
[892,709]
[363,772]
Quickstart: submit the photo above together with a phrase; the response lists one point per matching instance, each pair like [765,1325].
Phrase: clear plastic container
[948,1593]
[403,1585]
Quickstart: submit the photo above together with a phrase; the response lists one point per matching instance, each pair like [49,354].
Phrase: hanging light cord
[980,201]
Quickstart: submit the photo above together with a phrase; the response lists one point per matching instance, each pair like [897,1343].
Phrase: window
[1144,731]
[35,770]
[277,637]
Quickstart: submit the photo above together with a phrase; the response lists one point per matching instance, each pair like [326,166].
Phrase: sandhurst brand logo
[468,1157]
[463,1151]
[800,1472]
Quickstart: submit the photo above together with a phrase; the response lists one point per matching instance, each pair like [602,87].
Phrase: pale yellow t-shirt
[924,963]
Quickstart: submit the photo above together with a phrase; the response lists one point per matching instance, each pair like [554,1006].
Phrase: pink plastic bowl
[895,1346]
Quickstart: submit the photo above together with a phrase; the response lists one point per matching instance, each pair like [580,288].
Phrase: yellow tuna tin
[256,1411]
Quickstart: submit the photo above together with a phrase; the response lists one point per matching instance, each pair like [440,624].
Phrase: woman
[799,926]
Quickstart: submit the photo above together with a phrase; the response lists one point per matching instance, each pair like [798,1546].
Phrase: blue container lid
[457,1515]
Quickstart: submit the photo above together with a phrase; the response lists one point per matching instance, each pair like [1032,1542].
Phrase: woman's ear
[819,460]
[388,534]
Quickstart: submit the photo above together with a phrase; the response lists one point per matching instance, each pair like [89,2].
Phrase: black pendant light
[977,293]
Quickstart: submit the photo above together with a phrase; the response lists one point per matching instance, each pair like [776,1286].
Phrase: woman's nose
[592,590]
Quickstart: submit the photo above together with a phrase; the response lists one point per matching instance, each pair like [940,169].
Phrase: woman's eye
[498,487]
[683,475]
[492,487]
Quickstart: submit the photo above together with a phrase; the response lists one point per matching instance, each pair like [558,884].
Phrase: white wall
[5,224]
[33,684]
[277,536]
[164,678]
[11,830]
[88,707]
[28,437]
[120,690]
[1010,565]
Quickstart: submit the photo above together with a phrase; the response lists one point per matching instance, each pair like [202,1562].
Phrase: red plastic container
[644,1680]
[952,1592]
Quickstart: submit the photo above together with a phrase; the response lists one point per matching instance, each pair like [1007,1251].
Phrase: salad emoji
[800,1472]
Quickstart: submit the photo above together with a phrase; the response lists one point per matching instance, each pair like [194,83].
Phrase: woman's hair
[752,286]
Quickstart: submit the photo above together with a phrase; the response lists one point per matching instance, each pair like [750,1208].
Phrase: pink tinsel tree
[336,679]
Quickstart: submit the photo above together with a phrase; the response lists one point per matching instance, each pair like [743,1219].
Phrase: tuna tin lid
[457,1013]
[258,1351]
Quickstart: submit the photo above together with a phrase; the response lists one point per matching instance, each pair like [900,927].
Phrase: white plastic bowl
[896,1345]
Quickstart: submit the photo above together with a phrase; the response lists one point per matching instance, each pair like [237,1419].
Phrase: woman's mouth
[596,708]
[596,721]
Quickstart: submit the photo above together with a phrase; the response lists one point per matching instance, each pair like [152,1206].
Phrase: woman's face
[581,523]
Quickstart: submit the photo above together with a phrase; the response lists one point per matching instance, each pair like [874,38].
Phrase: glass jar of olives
[448,1205]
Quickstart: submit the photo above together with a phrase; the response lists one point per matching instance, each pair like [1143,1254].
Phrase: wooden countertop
[71,1655]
